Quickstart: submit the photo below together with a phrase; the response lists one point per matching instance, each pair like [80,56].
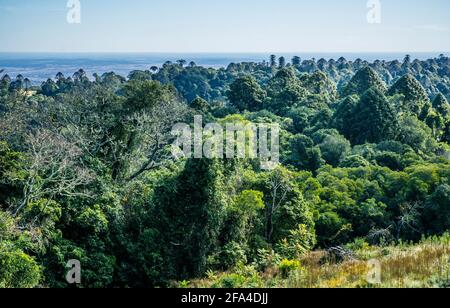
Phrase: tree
[415,133]
[59,76]
[437,210]
[437,124]
[246,94]
[407,60]
[442,106]
[190,213]
[80,74]
[55,169]
[281,62]
[26,84]
[140,75]
[374,119]
[358,64]
[441,120]
[367,216]
[18,269]
[304,155]
[334,149]
[342,63]
[5,82]
[415,96]
[354,161]
[301,118]
[49,88]
[318,83]
[144,129]
[322,64]
[17,84]
[6,78]
[296,61]
[364,79]
[406,66]
[199,104]
[242,227]
[343,116]
[286,208]
[279,187]
[182,62]
[273,60]
[408,223]
[11,174]
[284,91]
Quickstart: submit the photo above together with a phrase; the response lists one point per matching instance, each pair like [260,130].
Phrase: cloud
[436,28]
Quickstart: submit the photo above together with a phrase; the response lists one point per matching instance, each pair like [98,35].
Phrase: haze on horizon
[224,26]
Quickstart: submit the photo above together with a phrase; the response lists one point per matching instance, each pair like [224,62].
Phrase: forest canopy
[86,171]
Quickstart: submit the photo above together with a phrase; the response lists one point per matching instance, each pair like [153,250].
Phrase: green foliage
[305,156]
[199,104]
[416,134]
[11,172]
[288,266]
[284,91]
[267,259]
[145,94]
[441,104]
[97,266]
[244,277]
[358,244]
[184,284]
[374,119]
[365,79]
[193,81]
[320,84]
[334,149]
[17,269]
[437,209]
[299,242]
[331,228]
[414,94]
[354,161]
[191,213]
[343,116]
[246,94]
[288,217]
[249,201]
[87,174]
[92,220]
[232,254]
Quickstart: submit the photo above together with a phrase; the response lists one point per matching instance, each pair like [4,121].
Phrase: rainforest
[87,174]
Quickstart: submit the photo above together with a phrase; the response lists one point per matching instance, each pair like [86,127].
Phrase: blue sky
[224,26]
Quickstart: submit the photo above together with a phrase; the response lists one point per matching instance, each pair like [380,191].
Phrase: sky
[224,26]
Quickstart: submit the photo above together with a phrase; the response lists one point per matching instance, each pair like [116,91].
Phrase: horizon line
[221,52]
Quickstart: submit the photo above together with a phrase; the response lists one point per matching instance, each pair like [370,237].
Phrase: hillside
[281,163]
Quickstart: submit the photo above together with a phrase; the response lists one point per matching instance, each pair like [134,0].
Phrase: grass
[422,265]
